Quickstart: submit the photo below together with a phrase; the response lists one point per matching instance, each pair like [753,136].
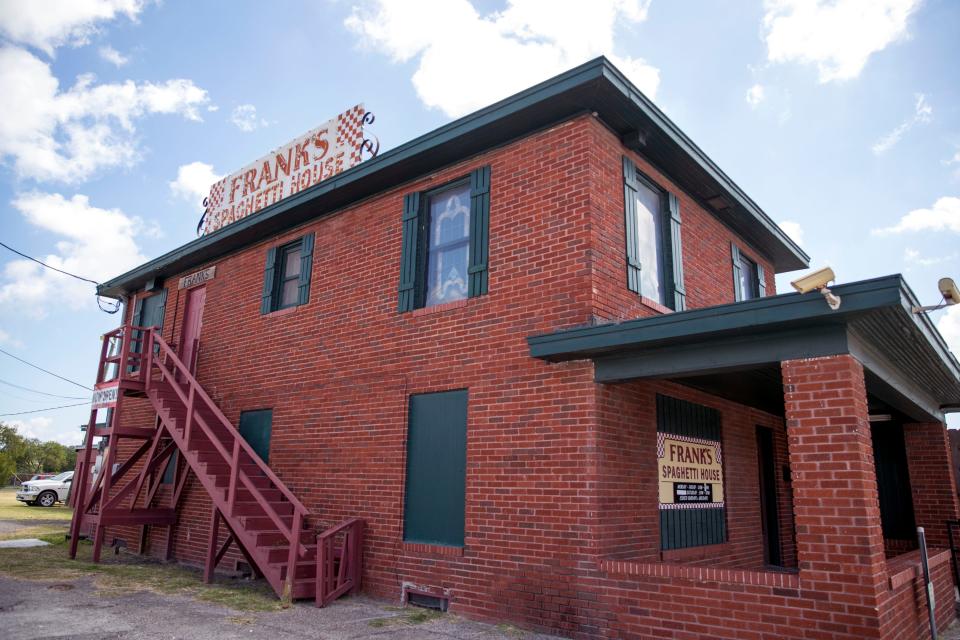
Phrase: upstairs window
[147,312]
[654,251]
[748,276]
[286,278]
[444,246]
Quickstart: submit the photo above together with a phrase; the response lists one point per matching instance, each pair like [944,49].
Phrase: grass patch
[37,531]
[10,509]
[408,616]
[123,574]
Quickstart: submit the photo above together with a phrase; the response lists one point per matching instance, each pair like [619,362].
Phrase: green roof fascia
[746,317]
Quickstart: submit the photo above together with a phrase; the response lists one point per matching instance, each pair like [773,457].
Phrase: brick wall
[558,468]
[931,479]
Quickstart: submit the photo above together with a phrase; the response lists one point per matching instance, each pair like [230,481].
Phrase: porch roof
[908,364]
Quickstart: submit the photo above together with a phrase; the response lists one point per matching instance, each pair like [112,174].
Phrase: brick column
[931,479]
[837,513]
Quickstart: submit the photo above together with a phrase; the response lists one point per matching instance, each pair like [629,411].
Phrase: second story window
[286,278]
[748,276]
[147,312]
[654,251]
[444,246]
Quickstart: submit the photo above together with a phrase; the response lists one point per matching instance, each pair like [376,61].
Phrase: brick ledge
[906,568]
[702,574]
[432,549]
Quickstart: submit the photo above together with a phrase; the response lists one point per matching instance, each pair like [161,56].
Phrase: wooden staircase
[262,517]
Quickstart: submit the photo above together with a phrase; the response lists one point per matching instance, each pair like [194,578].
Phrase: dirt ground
[40,610]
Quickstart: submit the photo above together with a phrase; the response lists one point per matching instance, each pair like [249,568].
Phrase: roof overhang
[907,362]
[595,87]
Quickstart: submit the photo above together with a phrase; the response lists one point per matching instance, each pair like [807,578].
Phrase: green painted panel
[256,427]
[171,467]
[435,493]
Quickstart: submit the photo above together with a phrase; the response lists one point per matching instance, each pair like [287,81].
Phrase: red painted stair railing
[262,517]
[218,454]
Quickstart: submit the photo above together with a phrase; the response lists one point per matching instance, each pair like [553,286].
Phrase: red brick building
[539,352]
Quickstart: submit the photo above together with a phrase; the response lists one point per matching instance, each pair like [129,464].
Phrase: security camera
[816,280]
[949,290]
[950,293]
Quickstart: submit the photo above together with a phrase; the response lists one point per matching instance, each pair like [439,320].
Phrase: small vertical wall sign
[689,474]
[105,395]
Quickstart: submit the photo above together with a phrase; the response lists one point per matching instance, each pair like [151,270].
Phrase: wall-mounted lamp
[818,281]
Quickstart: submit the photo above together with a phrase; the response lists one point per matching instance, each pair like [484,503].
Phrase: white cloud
[944,215]
[245,118]
[949,327]
[915,257]
[6,338]
[466,60]
[793,229]
[52,23]
[194,181]
[755,95]
[922,113]
[44,429]
[113,56]
[93,243]
[955,160]
[838,36]
[69,135]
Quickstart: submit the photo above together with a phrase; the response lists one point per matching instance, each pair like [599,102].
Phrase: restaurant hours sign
[313,157]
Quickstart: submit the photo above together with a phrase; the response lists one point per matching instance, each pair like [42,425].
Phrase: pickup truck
[46,493]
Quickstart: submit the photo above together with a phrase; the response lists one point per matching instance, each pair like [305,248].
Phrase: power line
[66,273]
[30,364]
[116,305]
[43,393]
[63,406]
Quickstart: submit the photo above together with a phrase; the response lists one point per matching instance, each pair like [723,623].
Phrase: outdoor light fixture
[818,281]
[950,293]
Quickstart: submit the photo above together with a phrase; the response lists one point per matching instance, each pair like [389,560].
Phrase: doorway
[192,324]
[769,510]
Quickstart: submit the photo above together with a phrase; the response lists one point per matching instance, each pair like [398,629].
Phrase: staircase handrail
[293,534]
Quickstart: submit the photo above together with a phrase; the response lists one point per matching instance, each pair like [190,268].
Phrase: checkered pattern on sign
[350,133]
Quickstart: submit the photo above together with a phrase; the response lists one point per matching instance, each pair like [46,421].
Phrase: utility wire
[107,309]
[45,371]
[43,393]
[66,273]
[63,406]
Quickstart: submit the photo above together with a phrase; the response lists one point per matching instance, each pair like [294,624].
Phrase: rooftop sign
[313,157]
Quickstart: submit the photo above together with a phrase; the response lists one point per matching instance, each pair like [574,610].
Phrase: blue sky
[840,119]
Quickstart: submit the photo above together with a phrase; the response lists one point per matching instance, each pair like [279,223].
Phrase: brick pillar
[931,479]
[837,513]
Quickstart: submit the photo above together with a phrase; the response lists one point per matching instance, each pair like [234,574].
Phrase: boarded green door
[255,427]
[436,469]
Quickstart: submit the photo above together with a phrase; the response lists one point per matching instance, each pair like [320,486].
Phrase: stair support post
[212,546]
[188,425]
[234,476]
[292,555]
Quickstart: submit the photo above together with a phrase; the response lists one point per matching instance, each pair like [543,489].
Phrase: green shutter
[735,258]
[168,472]
[159,307]
[256,428]
[435,490]
[630,224]
[408,252]
[135,322]
[479,230]
[761,280]
[306,266]
[269,281]
[677,298]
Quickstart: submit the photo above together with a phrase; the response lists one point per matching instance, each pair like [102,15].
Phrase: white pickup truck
[46,493]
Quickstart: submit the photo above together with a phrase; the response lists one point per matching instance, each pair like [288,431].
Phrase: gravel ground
[13,526]
[39,610]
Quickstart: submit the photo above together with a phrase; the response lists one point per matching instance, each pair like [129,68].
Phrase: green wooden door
[436,468]
[255,427]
